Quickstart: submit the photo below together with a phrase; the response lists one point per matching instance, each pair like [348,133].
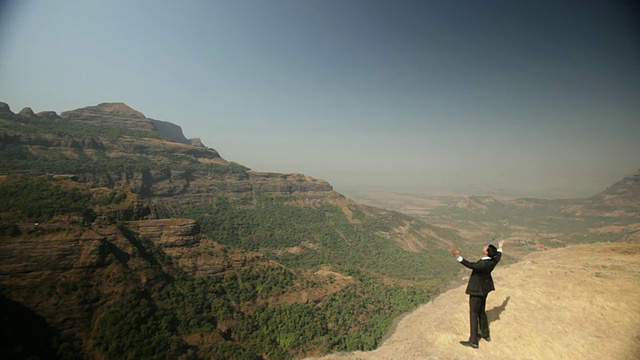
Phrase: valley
[528,224]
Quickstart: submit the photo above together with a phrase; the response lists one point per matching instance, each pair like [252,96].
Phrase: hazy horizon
[531,98]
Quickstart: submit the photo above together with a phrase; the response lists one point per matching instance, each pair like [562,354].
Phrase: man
[479,286]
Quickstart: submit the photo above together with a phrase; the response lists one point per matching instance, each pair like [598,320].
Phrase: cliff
[150,157]
[65,275]
[188,249]
[557,304]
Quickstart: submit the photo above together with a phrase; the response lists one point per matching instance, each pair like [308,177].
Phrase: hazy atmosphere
[527,96]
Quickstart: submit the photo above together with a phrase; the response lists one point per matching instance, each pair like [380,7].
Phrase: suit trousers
[478,318]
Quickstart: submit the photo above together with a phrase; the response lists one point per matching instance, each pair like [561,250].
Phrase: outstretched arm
[499,254]
[478,265]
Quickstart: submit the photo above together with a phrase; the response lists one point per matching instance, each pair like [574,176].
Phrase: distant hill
[578,302]
[538,224]
[622,196]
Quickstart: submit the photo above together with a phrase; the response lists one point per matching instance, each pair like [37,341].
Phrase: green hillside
[324,273]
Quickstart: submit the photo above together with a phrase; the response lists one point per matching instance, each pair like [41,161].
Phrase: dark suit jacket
[481,282]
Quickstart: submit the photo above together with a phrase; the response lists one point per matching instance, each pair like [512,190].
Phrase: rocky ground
[578,302]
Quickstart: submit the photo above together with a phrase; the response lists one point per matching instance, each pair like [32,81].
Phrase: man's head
[490,251]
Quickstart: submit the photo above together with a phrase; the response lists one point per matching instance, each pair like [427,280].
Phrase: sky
[530,98]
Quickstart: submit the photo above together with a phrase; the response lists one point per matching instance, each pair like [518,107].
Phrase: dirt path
[580,302]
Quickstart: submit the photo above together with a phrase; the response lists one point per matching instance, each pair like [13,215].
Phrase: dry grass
[579,302]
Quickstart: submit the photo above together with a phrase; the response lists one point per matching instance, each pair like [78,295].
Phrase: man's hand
[500,244]
[455,252]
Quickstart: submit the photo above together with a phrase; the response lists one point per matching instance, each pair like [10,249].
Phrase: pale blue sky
[523,95]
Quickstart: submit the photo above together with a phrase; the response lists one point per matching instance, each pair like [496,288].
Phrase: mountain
[111,114]
[623,197]
[121,115]
[119,239]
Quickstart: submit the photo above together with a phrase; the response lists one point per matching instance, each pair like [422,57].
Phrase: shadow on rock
[494,314]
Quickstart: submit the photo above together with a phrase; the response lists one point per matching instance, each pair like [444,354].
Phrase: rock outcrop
[69,274]
[196,142]
[27,112]
[169,233]
[48,115]
[5,109]
[189,249]
[172,131]
[111,114]
[286,183]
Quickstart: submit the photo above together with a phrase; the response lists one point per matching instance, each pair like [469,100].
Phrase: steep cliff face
[174,132]
[68,275]
[195,184]
[194,253]
[114,147]
[286,183]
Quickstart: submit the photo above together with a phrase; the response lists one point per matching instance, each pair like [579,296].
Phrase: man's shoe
[469,344]
[486,338]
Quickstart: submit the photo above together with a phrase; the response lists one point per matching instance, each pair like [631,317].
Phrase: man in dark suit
[479,286]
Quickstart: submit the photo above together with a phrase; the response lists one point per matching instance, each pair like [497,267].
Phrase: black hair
[492,251]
